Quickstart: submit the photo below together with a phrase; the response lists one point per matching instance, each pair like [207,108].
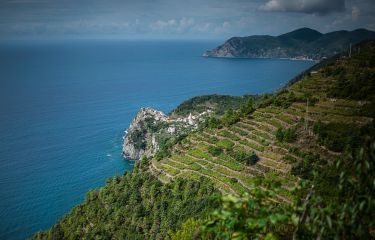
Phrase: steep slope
[295,109]
[305,127]
[302,43]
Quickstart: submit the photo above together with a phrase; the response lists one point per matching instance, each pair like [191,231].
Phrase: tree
[248,108]
[212,123]
[188,231]
[252,159]
[230,117]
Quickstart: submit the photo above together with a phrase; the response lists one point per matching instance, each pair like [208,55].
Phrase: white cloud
[172,25]
[223,28]
[205,27]
[320,7]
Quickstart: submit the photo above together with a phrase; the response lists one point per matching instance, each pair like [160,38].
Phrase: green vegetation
[339,204]
[218,103]
[305,167]
[244,157]
[215,151]
[342,204]
[135,206]
[289,135]
[335,136]
[300,42]
[248,108]
[137,138]
[189,230]
[230,117]
[353,84]
[274,187]
[226,144]
[166,145]
[253,216]
[211,123]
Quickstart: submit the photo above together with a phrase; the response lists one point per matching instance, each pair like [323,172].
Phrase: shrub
[248,108]
[253,216]
[162,153]
[215,151]
[305,167]
[137,138]
[288,135]
[252,159]
[280,135]
[212,123]
[244,157]
[230,117]
[226,144]
[335,136]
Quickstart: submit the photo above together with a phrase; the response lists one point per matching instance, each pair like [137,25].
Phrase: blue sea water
[64,106]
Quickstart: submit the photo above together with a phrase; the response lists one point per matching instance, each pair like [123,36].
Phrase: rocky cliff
[139,139]
[152,129]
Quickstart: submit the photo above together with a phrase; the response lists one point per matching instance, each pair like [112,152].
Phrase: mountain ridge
[302,43]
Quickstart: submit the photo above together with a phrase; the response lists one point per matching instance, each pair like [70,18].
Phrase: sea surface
[64,107]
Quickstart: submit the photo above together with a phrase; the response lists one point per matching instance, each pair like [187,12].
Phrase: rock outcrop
[139,138]
[151,129]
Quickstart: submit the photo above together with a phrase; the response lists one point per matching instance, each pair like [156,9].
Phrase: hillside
[302,43]
[152,130]
[295,163]
[254,136]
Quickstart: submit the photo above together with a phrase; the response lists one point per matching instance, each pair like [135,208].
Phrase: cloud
[178,18]
[319,7]
[356,12]
[173,25]
[223,28]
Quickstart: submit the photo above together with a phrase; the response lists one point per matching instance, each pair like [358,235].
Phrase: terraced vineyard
[254,136]
[320,129]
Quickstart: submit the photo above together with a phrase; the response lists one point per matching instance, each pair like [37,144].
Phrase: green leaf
[273,219]
[270,236]
[295,219]
[329,221]
[362,205]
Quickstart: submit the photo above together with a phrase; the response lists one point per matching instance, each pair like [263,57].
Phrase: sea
[65,104]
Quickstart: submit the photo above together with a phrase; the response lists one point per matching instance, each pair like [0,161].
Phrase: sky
[178,19]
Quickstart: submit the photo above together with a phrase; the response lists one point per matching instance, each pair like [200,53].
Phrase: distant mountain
[303,43]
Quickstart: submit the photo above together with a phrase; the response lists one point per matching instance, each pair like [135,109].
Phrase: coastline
[270,58]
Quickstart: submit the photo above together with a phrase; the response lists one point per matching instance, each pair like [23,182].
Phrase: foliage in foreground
[255,215]
[342,205]
[337,204]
